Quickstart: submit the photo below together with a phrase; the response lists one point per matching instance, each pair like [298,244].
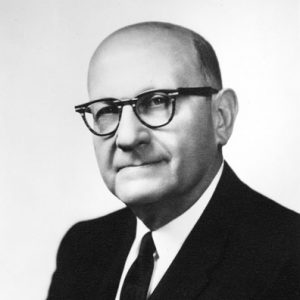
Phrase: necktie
[138,278]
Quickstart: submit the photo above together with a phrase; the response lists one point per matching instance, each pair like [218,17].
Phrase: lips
[136,165]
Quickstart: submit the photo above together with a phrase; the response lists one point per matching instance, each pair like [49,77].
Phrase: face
[142,165]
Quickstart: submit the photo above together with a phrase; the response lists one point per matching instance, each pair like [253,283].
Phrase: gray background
[48,175]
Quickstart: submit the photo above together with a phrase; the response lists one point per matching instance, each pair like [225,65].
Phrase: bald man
[191,229]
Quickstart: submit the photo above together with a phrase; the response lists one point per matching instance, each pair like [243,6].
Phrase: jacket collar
[203,249]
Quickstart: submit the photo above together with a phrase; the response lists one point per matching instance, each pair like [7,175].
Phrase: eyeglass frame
[206,91]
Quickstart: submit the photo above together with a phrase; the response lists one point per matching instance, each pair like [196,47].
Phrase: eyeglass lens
[153,109]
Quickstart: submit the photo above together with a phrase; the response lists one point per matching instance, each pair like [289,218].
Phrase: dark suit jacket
[244,246]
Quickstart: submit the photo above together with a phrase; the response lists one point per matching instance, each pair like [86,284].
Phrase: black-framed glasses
[154,109]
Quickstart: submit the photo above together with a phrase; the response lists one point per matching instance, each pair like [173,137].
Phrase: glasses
[154,109]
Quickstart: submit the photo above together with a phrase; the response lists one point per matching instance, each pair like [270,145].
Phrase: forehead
[131,62]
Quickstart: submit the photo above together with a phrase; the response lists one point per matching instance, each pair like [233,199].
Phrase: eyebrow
[147,89]
[139,92]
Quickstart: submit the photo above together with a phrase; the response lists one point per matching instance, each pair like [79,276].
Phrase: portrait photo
[150,150]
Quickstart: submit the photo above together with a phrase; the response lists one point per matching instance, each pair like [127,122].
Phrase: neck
[158,213]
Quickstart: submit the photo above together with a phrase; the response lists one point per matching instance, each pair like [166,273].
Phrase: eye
[106,111]
[159,100]
[153,101]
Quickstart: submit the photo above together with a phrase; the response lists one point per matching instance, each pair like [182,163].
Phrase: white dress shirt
[169,238]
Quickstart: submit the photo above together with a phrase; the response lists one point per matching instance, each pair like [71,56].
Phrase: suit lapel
[190,271]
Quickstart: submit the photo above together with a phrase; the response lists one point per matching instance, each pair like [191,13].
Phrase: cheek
[103,151]
[193,146]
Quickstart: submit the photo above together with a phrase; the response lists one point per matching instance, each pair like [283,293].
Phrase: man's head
[160,172]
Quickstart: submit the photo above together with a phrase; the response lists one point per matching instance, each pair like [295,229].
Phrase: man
[191,230]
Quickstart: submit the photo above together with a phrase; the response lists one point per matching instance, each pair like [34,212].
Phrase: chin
[139,193]
[143,185]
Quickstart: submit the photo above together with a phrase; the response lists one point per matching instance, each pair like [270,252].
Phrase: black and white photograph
[150,150]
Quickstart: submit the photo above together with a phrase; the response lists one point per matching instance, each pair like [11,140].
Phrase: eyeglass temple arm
[202,91]
[79,109]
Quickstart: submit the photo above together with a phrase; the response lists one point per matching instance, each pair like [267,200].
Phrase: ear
[225,109]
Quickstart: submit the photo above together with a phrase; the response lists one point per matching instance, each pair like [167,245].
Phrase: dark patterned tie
[136,283]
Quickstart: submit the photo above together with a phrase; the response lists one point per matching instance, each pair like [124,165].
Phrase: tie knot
[147,247]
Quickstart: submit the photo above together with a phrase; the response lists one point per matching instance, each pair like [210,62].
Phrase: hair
[207,59]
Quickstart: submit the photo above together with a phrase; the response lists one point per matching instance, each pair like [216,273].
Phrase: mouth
[142,165]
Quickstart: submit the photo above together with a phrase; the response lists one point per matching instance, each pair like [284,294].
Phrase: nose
[131,132]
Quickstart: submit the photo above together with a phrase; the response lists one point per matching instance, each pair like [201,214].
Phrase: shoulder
[263,241]
[258,225]
[260,219]
[86,252]
[269,238]
[113,221]
[95,235]
[249,204]
[262,212]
